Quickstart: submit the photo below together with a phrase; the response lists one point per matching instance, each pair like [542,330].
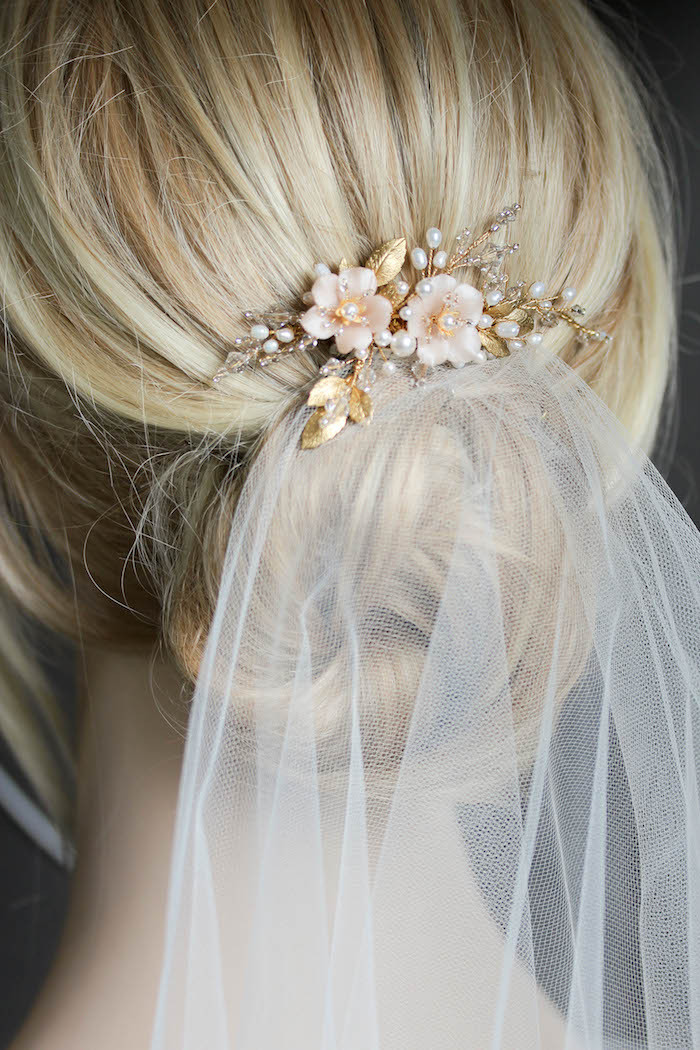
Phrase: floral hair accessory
[375,316]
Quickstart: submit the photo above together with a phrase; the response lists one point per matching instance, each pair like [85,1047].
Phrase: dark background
[33,889]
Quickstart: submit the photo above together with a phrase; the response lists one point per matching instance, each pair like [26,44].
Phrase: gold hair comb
[371,312]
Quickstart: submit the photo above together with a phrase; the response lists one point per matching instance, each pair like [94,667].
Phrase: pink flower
[345,306]
[444,322]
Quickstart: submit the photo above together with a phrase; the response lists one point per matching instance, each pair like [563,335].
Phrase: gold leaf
[387,260]
[500,310]
[510,312]
[343,264]
[314,434]
[360,406]
[493,343]
[329,386]
[525,319]
[391,292]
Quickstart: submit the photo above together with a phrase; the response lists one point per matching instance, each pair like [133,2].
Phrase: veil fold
[440,787]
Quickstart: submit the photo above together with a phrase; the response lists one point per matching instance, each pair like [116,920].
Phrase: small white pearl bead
[534,338]
[480,355]
[383,338]
[419,258]
[440,259]
[433,237]
[493,297]
[516,344]
[569,293]
[285,335]
[361,353]
[424,287]
[389,367]
[448,321]
[507,329]
[402,343]
[536,290]
[321,269]
[405,313]
[350,311]
[270,345]
[260,332]
[546,304]
[402,287]
[485,321]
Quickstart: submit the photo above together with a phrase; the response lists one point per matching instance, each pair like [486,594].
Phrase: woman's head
[167,166]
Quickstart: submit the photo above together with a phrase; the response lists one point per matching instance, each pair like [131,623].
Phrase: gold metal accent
[360,406]
[328,387]
[314,434]
[387,260]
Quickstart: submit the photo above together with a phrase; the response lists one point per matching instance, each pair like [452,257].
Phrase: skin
[102,986]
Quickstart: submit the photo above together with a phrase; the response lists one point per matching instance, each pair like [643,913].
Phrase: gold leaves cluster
[359,409]
[509,310]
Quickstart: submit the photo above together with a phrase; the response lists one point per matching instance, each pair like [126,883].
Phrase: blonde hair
[166,167]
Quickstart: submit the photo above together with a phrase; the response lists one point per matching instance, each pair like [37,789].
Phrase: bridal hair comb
[373,313]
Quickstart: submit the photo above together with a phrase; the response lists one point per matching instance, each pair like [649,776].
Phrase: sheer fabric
[440,787]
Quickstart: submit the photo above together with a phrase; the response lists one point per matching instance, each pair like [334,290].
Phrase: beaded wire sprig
[371,312]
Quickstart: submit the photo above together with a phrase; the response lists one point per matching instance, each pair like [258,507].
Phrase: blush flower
[443,322]
[346,306]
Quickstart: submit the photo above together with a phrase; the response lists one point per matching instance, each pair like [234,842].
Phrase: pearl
[546,304]
[440,259]
[270,345]
[569,293]
[485,321]
[389,367]
[405,313]
[433,237]
[361,353]
[493,297]
[448,321]
[424,287]
[419,258]
[402,343]
[536,290]
[259,332]
[321,269]
[534,339]
[480,355]
[516,344]
[383,338]
[507,329]
[403,287]
[285,335]
[349,311]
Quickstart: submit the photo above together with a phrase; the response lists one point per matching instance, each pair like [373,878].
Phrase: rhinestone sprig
[377,318]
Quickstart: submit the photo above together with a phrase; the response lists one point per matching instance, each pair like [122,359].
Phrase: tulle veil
[440,788]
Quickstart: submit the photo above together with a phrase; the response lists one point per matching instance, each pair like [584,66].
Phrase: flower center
[444,323]
[349,311]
